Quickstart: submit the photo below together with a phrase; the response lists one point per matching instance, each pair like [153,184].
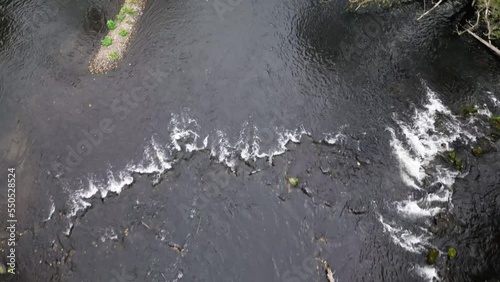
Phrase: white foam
[494,100]
[52,209]
[416,145]
[484,110]
[184,135]
[332,139]
[405,238]
[109,234]
[427,272]
[411,208]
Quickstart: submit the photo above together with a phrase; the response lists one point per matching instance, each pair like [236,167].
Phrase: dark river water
[174,167]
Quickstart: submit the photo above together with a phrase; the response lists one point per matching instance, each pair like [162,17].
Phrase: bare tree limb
[489,45]
[361,4]
[487,20]
[472,26]
[430,10]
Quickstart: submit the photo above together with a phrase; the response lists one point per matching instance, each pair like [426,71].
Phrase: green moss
[114,56]
[111,24]
[477,151]
[126,10]
[495,122]
[107,41]
[120,17]
[123,33]
[452,253]
[293,181]
[432,256]
[469,110]
[452,155]
[458,163]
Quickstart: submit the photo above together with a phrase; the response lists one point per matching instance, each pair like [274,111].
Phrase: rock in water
[432,256]
[452,253]
[293,181]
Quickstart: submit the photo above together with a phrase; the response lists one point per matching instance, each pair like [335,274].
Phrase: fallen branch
[489,45]
[486,13]
[430,10]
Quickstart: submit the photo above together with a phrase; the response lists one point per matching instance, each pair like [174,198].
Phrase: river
[174,166]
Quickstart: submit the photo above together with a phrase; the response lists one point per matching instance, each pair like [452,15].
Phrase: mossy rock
[458,163]
[293,181]
[453,155]
[3,270]
[495,123]
[432,256]
[452,253]
[469,110]
[477,151]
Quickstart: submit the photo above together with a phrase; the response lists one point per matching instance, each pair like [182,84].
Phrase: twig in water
[430,10]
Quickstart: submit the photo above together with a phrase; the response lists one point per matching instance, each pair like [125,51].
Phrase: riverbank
[114,46]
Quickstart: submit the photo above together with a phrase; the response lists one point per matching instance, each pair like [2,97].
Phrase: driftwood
[469,30]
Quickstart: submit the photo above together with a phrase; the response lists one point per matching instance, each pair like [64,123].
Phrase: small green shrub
[111,24]
[127,10]
[120,17]
[114,56]
[123,33]
[107,41]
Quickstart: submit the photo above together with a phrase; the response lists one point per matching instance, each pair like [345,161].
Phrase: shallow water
[186,147]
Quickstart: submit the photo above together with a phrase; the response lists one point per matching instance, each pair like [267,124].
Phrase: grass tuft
[126,10]
[107,41]
[120,17]
[123,33]
[114,56]
[111,24]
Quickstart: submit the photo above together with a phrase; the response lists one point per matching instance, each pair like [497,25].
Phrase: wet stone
[432,256]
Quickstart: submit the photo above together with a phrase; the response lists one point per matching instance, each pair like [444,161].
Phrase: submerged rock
[442,223]
[96,20]
[452,253]
[495,123]
[293,181]
[477,151]
[432,256]
[469,110]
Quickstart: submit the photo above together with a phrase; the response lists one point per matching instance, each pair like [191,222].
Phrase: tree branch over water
[486,29]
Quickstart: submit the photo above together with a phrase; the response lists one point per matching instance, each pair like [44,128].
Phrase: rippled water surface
[174,166]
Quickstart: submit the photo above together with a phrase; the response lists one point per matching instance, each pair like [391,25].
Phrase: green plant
[111,24]
[114,56]
[120,17]
[127,10]
[123,33]
[107,41]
